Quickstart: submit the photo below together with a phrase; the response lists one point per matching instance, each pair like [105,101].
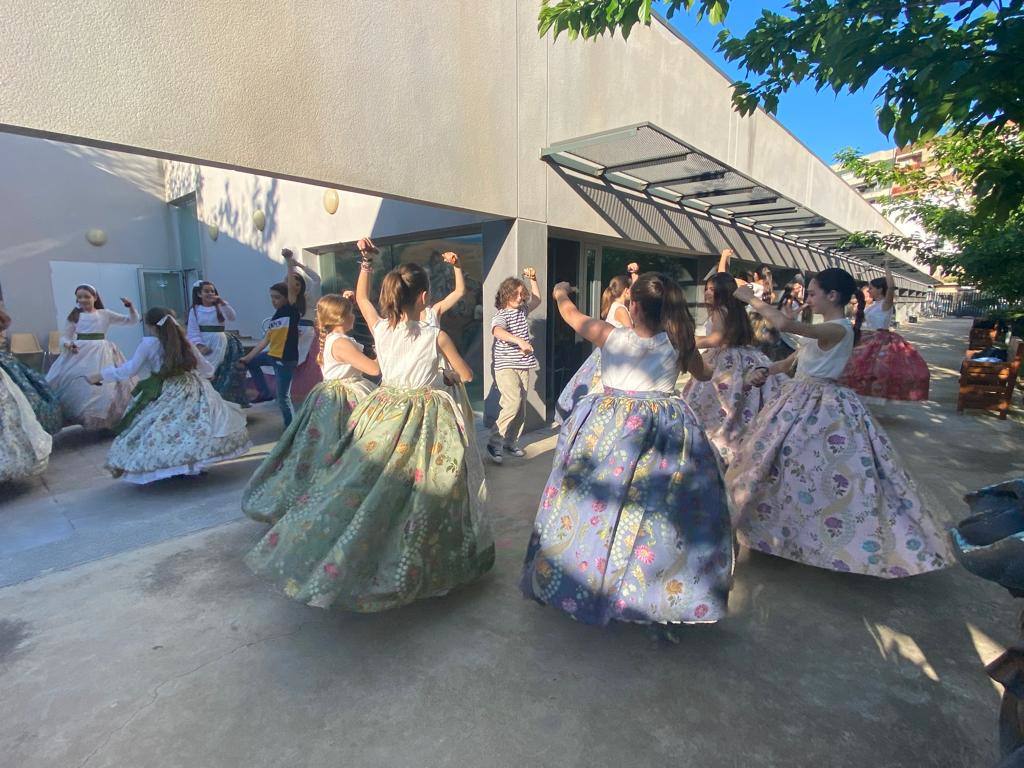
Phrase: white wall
[244,262]
[50,194]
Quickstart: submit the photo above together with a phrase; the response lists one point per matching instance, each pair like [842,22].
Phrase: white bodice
[877,318]
[611,319]
[148,359]
[333,368]
[97,321]
[407,354]
[635,364]
[200,315]
[814,362]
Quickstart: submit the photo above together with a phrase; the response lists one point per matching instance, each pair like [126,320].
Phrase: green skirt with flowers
[309,441]
[386,516]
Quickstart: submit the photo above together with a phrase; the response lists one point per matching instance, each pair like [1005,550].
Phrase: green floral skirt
[387,516]
[305,449]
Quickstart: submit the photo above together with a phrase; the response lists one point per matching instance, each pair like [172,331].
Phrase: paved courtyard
[131,634]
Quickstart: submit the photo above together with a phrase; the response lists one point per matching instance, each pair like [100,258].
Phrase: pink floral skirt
[723,407]
[886,365]
[817,481]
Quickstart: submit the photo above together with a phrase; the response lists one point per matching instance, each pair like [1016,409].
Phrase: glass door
[163,288]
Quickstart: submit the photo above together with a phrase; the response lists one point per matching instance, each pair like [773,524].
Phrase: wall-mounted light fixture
[213,230]
[96,237]
[331,201]
[259,220]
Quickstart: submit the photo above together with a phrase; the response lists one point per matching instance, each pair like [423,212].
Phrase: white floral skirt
[24,444]
[188,428]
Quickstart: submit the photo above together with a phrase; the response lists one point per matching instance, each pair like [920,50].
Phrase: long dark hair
[197,299]
[300,300]
[76,313]
[178,354]
[616,287]
[738,330]
[842,282]
[664,308]
[399,290]
[881,284]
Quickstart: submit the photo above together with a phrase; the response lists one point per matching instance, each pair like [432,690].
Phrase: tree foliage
[978,241]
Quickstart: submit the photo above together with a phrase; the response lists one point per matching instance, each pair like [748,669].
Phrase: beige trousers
[513,384]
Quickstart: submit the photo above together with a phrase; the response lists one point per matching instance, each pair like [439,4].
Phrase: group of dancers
[376,494]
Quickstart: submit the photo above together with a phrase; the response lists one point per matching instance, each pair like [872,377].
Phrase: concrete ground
[131,634]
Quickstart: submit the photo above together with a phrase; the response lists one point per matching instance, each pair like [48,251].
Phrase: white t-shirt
[407,354]
[635,364]
[333,368]
[825,364]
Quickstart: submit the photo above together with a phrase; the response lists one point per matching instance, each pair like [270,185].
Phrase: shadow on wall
[642,220]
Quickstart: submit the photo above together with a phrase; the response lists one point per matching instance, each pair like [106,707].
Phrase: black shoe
[495,453]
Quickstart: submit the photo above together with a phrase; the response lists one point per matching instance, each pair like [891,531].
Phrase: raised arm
[590,328]
[634,272]
[347,352]
[291,269]
[531,274]
[890,289]
[130,319]
[452,298]
[451,354]
[723,259]
[827,334]
[227,310]
[366,251]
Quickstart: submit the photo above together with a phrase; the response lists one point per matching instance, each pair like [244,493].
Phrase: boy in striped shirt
[513,360]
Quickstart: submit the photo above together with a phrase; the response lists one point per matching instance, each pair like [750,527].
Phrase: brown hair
[738,330]
[509,287]
[616,287]
[332,311]
[399,290]
[76,313]
[280,288]
[178,354]
[664,308]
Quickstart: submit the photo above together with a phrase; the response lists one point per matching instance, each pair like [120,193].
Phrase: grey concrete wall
[416,100]
[52,193]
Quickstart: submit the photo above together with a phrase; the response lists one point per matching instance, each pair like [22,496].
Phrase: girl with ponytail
[206,330]
[727,404]
[319,426]
[177,424]
[816,480]
[391,503]
[615,310]
[633,523]
[885,365]
[85,350]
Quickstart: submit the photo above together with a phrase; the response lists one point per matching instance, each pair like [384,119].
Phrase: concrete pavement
[168,652]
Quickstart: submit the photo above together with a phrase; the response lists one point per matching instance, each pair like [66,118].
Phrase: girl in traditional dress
[633,523]
[390,518]
[816,480]
[206,331]
[432,316]
[614,310]
[178,424]
[296,461]
[726,404]
[885,364]
[33,385]
[86,351]
[24,444]
[304,286]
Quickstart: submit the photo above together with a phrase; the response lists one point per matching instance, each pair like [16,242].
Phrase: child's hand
[529,273]
[127,302]
[633,268]
[450,257]
[288,255]
[451,378]
[563,287]
[366,246]
[350,295]
[756,377]
[525,346]
[728,252]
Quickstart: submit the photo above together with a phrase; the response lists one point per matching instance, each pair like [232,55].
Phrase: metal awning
[649,160]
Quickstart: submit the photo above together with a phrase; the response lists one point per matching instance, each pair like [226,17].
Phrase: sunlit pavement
[166,651]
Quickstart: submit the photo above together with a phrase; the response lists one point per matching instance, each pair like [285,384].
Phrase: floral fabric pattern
[586,380]
[723,407]
[229,379]
[44,402]
[24,447]
[385,518]
[317,429]
[184,431]
[633,523]
[94,407]
[886,365]
[818,482]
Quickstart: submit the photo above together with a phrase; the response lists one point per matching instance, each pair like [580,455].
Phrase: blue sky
[823,121]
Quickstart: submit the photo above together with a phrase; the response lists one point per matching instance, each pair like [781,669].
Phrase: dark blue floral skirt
[633,524]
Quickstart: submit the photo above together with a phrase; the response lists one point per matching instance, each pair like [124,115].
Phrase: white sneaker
[515,450]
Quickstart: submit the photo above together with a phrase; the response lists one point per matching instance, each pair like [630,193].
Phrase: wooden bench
[989,386]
